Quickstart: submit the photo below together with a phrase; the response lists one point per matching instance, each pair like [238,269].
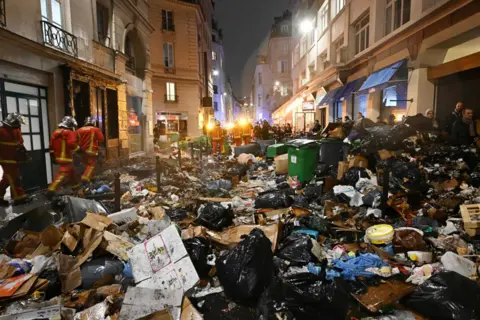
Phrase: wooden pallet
[471,218]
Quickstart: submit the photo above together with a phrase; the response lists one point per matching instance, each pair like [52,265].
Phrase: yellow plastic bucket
[380,234]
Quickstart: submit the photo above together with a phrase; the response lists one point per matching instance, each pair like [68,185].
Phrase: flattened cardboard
[158,213]
[51,237]
[6,271]
[189,312]
[124,216]
[384,294]
[117,246]
[69,272]
[9,286]
[162,262]
[96,221]
[95,240]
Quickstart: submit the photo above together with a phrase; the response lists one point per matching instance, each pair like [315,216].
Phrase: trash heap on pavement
[382,227]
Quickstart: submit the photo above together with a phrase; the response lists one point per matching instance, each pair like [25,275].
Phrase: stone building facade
[80,58]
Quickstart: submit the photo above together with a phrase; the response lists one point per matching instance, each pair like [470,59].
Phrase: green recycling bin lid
[302,143]
[329,141]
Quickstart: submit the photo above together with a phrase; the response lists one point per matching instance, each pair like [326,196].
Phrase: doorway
[31,102]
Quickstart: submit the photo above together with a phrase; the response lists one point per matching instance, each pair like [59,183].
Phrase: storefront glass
[176,123]
[135,121]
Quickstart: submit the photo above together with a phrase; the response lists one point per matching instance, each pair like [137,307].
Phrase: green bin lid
[302,143]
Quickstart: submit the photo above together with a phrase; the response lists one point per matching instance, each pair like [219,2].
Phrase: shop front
[175,124]
[305,118]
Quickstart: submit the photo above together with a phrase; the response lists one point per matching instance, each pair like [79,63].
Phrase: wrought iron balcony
[171,98]
[104,39]
[58,38]
[3,17]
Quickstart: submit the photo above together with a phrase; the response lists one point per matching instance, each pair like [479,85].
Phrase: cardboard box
[343,167]
[358,161]
[281,164]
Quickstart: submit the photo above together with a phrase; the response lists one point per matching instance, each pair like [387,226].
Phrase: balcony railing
[171,98]
[104,39]
[3,17]
[60,39]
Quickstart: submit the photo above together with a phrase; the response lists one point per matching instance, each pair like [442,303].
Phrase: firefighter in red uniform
[89,137]
[237,134]
[63,144]
[12,152]
[247,133]
[217,138]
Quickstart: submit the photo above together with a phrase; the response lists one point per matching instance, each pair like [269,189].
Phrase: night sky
[246,23]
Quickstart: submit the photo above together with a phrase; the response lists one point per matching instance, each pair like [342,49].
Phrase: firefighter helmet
[68,122]
[14,120]
[90,121]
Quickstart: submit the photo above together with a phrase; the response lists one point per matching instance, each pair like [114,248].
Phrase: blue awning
[381,77]
[349,88]
[329,97]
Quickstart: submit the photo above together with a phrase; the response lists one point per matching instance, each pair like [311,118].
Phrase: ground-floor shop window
[360,105]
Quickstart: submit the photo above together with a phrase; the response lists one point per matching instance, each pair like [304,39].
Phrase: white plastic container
[453,262]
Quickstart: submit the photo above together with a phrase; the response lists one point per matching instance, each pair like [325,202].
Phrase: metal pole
[158,171]
[179,156]
[192,151]
[117,192]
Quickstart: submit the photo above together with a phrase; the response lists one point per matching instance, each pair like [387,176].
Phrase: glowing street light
[215,72]
[306,26]
[277,83]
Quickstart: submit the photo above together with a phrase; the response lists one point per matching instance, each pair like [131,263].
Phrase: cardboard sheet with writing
[162,262]
[9,287]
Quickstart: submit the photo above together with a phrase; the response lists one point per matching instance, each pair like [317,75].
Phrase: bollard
[179,157]
[192,154]
[386,182]
[158,170]
[117,192]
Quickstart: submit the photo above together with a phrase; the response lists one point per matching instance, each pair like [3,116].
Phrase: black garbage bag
[96,269]
[76,209]
[408,177]
[219,184]
[304,296]
[314,222]
[274,199]
[352,176]
[300,201]
[447,295]
[54,287]
[372,199]
[177,214]
[214,216]
[247,269]
[199,249]
[312,191]
[475,179]
[296,248]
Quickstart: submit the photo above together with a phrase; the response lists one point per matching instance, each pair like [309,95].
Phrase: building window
[339,4]
[311,35]
[215,89]
[397,13]
[170,92]
[362,34]
[102,24]
[324,17]
[284,90]
[215,105]
[167,20]
[282,66]
[259,100]
[259,77]
[338,50]
[168,55]
[214,55]
[285,28]
[52,11]
[285,48]
[303,46]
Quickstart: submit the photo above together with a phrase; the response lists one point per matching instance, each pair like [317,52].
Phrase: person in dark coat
[316,127]
[464,130]
[454,116]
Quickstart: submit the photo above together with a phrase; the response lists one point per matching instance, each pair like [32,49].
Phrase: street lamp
[306,26]
[277,83]
[215,72]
